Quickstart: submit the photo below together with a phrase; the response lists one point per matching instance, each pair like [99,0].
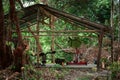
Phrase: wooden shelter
[29,16]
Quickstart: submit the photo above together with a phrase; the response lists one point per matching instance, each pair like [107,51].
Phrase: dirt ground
[53,74]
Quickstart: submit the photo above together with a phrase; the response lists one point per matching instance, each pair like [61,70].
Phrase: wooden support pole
[37,38]
[37,41]
[112,55]
[112,26]
[100,39]
[53,37]
[119,23]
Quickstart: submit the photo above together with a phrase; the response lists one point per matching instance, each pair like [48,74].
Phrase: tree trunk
[19,50]
[14,20]
[2,36]
[5,50]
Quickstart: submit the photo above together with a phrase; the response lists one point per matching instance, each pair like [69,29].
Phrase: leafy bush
[115,68]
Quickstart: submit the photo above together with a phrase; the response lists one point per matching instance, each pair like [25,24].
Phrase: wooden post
[119,22]
[100,38]
[39,49]
[112,55]
[53,37]
[37,40]
[112,26]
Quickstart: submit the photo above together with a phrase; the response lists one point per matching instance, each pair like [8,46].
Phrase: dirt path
[55,74]
[79,75]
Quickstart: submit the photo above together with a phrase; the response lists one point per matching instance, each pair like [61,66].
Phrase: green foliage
[103,10]
[68,57]
[12,67]
[6,6]
[85,40]
[115,68]
[21,14]
[74,42]
[95,10]
[30,73]
[103,59]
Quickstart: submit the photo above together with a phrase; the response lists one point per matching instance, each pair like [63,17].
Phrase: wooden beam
[58,35]
[63,31]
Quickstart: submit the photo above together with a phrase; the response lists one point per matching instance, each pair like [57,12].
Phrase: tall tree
[2,35]
[19,50]
[5,50]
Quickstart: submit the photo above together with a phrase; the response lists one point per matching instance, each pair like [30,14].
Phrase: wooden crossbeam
[63,31]
[58,35]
